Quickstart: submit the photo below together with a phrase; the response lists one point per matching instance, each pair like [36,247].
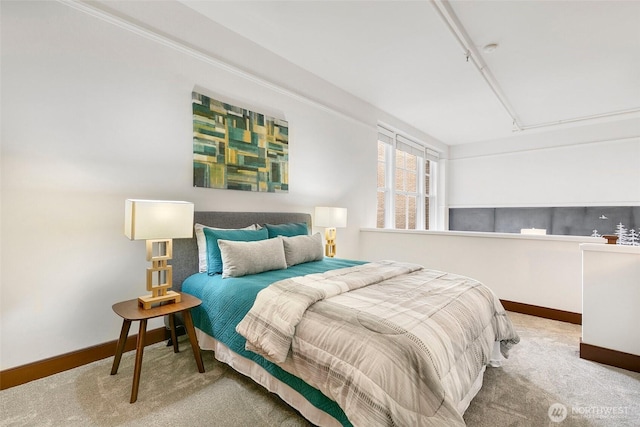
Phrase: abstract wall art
[238,149]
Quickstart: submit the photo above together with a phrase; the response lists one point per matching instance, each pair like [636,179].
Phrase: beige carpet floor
[543,370]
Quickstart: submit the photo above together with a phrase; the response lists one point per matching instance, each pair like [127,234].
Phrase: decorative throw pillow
[202,243]
[214,259]
[299,249]
[290,229]
[242,258]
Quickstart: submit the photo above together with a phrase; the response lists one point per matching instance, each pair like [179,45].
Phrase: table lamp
[331,218]
[158,222]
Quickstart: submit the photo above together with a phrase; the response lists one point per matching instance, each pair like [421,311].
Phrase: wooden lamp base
[149,301]
[160,275]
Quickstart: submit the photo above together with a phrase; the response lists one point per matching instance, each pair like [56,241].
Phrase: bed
[344,342]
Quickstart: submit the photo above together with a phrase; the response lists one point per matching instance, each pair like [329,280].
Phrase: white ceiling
[556,61]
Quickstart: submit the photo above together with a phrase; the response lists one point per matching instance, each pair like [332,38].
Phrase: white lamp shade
[157,219]
[330,217]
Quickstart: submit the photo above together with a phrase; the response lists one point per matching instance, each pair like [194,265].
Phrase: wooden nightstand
[130,311]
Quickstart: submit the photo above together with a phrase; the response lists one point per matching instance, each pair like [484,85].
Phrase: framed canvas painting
[238,149]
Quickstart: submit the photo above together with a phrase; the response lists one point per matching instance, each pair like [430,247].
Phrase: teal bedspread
[225,302]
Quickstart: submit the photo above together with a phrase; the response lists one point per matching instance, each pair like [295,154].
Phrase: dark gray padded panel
[571,221]
[472,219]
[635,217]
[185,251]
[511,220]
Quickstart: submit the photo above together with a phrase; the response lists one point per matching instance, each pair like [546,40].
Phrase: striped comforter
[392,343]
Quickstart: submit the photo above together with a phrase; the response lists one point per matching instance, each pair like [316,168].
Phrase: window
[406,182]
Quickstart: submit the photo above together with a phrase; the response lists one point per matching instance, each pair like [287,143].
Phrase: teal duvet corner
[225,302]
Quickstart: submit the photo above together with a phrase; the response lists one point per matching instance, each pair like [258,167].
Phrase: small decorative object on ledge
[633,238]
[627,237]
[538,231]
[611,239]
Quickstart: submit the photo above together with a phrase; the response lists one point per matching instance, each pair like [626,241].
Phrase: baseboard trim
[547,313]
[619,359]
[43,368]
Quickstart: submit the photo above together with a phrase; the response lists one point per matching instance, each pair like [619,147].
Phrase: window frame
[393,140]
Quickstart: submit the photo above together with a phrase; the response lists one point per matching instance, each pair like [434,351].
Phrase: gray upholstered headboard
[185,251]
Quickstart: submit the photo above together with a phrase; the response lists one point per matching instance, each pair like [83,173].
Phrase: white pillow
[242,258]
[201,240]
[299,249]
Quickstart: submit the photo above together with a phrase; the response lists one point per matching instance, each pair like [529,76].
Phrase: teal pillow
[288,230]
[214,258]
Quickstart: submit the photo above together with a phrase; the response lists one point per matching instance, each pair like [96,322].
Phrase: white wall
[584,173]
[93,113]
[539,270]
